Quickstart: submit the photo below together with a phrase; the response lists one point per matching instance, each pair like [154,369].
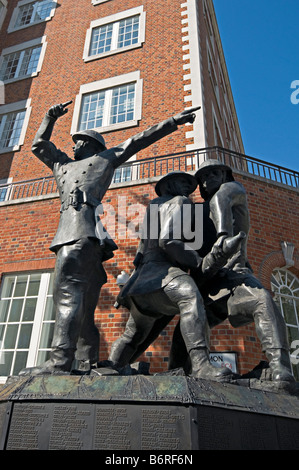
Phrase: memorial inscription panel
[81,426]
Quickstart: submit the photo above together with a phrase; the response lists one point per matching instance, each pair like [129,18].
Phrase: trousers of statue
[77,282]
[249,303]
[181,297]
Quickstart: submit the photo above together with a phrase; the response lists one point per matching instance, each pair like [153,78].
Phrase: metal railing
[158,166]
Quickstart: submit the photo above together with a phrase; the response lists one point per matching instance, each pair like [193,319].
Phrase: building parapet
[149,169]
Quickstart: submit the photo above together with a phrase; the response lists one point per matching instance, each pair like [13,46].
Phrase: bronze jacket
[82,184]
[163,253]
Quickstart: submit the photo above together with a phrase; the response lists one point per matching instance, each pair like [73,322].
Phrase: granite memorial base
[158,413]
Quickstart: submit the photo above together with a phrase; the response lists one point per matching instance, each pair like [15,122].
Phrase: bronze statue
[80,249]
[234,292]
[161,287]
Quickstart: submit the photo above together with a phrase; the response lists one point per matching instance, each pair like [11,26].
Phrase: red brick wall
[64,71]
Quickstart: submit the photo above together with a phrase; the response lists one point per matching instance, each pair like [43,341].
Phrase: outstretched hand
[188,115]
[59,110]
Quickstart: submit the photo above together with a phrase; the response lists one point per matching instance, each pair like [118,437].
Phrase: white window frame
[292,298]
[3,11]
[115,20]
[22,48]
[38,320]
[109,84]
[10,108]
[120,172]
[12,25]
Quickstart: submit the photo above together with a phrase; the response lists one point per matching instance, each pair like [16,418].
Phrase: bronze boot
[203,369]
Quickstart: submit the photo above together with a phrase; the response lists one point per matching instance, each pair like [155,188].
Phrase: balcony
[141,170]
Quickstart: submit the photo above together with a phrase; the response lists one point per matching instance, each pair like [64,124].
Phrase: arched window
[285,286]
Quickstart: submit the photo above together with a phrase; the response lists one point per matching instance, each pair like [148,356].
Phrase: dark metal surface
[152,389]
[82,426]
[223,430]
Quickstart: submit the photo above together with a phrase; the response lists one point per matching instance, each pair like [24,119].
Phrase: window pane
[12,129]
[101,39]
[128,32]
[20,286]
[122,174]
[34,285]
[8,285]
[293,334]
[10,66]
[25,15]
[285,286]
[92,111]
[29,310]
[33,12]
[289,311]
[43,10]
[25,336]
[3,193]
[18,317]
[4,306]
[16,310]
[10,337]
[2,331]
[50,310]
[30,61]
[42,357]
[122,108]
[46,336]
[50,289]
[20,362]
[6,359]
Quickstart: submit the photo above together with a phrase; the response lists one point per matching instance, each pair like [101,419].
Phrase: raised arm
[42,148]
[144,139]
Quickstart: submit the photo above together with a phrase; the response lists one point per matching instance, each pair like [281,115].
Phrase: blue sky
[260,40]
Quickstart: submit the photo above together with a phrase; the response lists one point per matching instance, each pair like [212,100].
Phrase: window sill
[13,80]
[19,28]
[15,148]
[109,53]
[116,127]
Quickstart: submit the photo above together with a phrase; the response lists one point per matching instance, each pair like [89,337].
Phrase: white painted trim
[106,84]
[116,18]
[193,69]
[38,320]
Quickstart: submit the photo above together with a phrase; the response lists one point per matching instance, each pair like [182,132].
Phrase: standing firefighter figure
[234,292]
[80,249]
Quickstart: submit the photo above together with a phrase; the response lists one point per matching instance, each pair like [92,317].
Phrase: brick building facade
[126,66]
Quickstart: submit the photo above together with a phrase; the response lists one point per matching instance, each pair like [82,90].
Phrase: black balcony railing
[158,166]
